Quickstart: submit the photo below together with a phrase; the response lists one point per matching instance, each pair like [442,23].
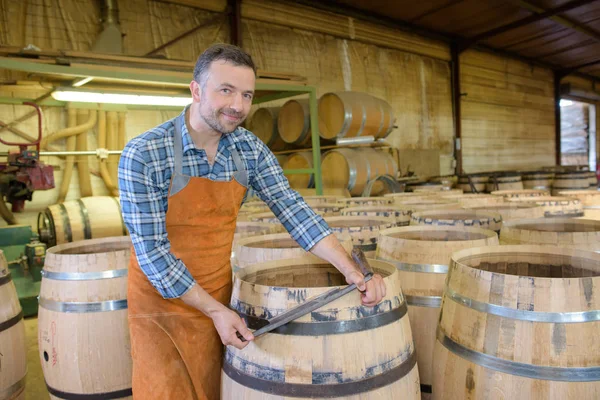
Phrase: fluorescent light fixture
[82,81]
[565,103]
[118,98]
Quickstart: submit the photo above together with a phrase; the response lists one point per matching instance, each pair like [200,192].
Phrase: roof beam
[523,22]
[564,21]
[570,70]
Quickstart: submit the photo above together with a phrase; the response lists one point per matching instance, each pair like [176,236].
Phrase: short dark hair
[225,52]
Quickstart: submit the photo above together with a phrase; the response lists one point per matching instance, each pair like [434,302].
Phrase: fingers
[243,330]
[376,291]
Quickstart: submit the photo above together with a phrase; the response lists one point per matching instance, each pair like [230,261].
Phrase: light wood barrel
[271,218]
[350,114]
[574,180]
[505,181]
[519,323]
[365,201]
[300,160]
[401,217]
[541,180]
[427,205]
[264,125]
[315,200]
[559,232]
[354,168]
[294,123]
[250,208]
[363,230]
[587,197]
[473,200]
[328,209]
[329,192]
[82,319]
[593,180]
[422,254]
[509,194]
[245,229]
[400,198]
[479,182]
[12,338]
[510,211]
[87,218]
[591,212]
[279,246]
[459,219]
[555,206]
[342,350]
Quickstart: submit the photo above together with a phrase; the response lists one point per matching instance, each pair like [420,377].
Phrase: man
[182,184]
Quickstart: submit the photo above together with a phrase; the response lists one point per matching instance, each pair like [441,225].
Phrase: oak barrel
[365,201]
[474,181]
[263,124]
[459,219]
[350,114]
[13,351]
[541,180]
[473,200]
[401,217]
[87,218]
[422,254]
[294,123]
[342,350]
[509,194]
[519,323]
[510,211]
[504,181]
[555,206]
[559,232]
[83,335]
[571,180]
[300,160]
[363,230]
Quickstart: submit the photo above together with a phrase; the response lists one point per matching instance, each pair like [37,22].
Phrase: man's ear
[196,91]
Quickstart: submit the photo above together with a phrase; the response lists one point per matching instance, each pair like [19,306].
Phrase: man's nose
[237,103]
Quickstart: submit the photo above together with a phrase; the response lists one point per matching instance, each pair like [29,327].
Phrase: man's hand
[228,323]
[371,292]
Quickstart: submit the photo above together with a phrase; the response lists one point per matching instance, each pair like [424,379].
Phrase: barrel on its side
[87,218]
[519,323]
[82,319]
[264,125]
[422,254]
[342,350]
[294,123]
[458,218]
[300,160]
[12,338]
[559,232]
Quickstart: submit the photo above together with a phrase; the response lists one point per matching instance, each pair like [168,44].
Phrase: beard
[217,122]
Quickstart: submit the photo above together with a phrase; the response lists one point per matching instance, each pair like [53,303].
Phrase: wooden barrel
[365,201]
[478,181]
[400,198]
[559,232]
[271,218]
[280,246]
[13,349]
[342,350]
[593,180]
[363,230]
[245,229]
[425,187]
[510,211]
[591,212]
[294,123]
[421,255]
[401,217]
[328,209]
[264,125]
[555,206]
[473,200]
[509,194]
[426,205]
[315,200]
[504,181]
[540,180]
[573,180]
[86,218]
[350,114]
[354,168]
[459,219]
[300,160]
[336,192]
[587,197]
[519,323]
[82,319]
[250,208]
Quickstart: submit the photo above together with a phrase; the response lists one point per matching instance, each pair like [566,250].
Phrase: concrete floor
[35,388]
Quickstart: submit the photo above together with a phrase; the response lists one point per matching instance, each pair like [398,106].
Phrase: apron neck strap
[178,144]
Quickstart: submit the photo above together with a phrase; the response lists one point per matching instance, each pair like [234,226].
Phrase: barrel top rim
[525,249]
[389,233]
[282,236]
[117,240]
[518,223]
[520,191]
[459,212]
[574,192]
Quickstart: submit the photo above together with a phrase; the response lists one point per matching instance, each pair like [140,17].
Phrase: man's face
[226,96]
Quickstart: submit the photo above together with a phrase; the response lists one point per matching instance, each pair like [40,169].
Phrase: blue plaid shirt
[145,170]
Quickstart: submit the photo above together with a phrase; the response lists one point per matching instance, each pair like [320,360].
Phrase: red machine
[24,173]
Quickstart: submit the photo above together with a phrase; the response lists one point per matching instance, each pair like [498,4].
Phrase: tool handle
[359,257]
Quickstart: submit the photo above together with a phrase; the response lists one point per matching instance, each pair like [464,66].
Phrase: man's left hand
[371,292]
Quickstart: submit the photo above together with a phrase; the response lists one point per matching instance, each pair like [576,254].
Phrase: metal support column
[455,78]
[316,144]
[558,75]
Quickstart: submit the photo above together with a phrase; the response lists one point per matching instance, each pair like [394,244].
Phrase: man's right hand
[228,323]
